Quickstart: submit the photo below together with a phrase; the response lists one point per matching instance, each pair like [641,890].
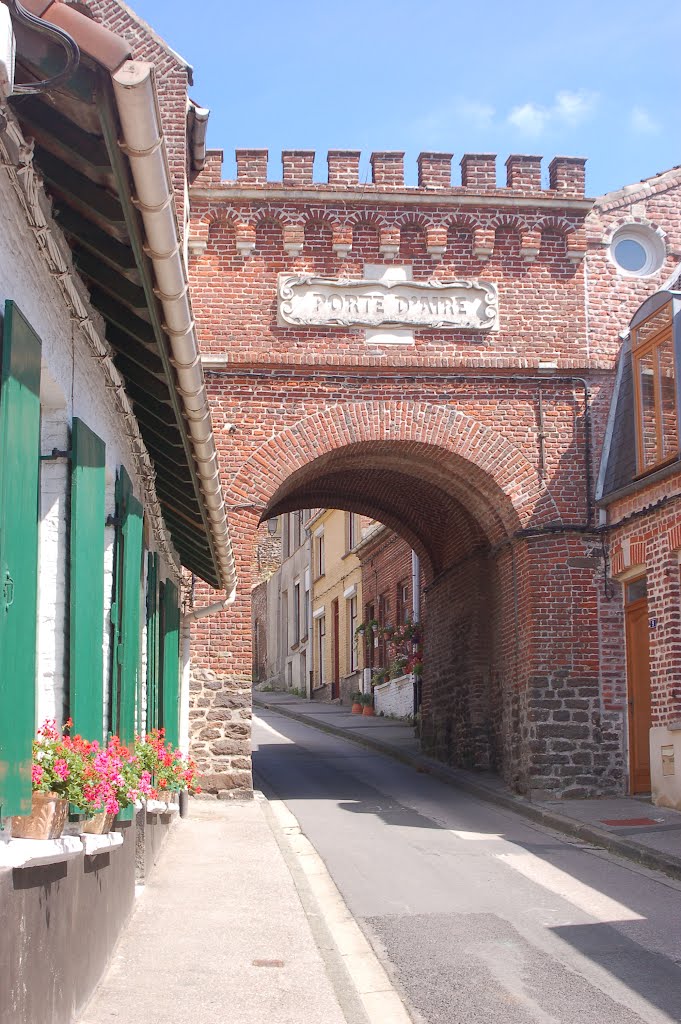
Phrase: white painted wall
[395,697]
[72,384]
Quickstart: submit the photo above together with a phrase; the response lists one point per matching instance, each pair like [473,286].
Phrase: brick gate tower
[425,355]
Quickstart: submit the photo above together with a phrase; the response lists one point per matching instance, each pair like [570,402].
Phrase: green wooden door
[88,510]
[19,482]
[171,662]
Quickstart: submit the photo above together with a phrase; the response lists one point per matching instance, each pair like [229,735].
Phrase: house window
[284,619]
[296,530]
[286,536]
[352,626]
[306,607]
[319,554]
[321,649]
[637,250]
[351,537]
[657,436]
[402,614]
[296,612]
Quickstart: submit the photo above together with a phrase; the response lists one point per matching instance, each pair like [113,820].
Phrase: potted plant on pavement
[368,704]
[356,699]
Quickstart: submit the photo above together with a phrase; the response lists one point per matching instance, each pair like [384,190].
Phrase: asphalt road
[478,914]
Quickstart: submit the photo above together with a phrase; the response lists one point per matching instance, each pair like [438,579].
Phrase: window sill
[161,807]
[657,468]
[94,844]
[638,483]
[30,853]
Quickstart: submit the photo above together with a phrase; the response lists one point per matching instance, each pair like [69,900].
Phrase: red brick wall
[455,443]
[386,563]
[650,535]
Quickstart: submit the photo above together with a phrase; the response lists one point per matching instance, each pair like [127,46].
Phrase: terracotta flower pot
[46,820]
[357,709]
[99,823]
[368,710]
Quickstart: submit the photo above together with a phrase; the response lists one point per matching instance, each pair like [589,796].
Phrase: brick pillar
[567,174]
[251,166]
[298,166]
[221,678]
[387,168]
[524,173]
[435,170]
[343,167]
[479,170]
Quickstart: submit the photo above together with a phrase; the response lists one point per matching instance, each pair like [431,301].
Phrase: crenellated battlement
[478,173]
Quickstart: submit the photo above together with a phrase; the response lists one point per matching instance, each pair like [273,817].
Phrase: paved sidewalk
[219,934]
[631,827]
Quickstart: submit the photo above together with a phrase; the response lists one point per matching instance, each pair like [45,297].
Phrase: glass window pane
[637,590]
[670,433]
[655,323]
[646,370]
[631,255]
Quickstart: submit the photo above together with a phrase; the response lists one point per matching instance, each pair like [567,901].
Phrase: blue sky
[596,79]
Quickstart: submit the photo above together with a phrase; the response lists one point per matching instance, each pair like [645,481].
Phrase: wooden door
[638,687]
[335,682]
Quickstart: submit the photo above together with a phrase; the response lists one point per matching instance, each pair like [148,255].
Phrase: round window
[637,250]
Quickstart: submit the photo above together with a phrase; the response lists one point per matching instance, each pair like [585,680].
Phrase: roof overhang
[112,198]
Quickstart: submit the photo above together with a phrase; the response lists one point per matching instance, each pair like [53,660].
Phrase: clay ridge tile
[93,39]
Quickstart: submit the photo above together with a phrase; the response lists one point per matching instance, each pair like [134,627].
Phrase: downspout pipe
[209,609]
[198,121]
[144,146]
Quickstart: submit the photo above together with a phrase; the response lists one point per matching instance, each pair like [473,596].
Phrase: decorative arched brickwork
[484,460]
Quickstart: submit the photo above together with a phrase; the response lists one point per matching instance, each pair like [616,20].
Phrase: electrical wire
[36,24]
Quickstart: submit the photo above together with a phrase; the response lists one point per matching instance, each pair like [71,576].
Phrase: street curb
[363,988]
[628,848]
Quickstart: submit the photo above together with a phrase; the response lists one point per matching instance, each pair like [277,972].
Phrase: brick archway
[497,481]
[460,494]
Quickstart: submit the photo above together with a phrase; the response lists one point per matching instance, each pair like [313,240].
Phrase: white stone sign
[306,301]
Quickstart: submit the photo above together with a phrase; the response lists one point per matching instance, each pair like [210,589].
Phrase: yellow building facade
[338,661]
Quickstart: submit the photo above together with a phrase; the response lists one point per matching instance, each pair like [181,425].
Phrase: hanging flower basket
[46,820]
[99,824]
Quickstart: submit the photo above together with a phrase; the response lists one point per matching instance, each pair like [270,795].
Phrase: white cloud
[574,107]
[530,119]
[481,114]
[642,122]
[568,109]
[438,124]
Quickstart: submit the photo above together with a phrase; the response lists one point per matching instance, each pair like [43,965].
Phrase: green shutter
[171,662]
[125,613]
[19,478]
[152,642]
[88,511]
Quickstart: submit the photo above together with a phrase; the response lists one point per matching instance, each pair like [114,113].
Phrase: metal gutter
[16,156]
[144,146]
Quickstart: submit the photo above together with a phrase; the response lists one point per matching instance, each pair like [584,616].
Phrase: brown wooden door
[335,639]
[638,687]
